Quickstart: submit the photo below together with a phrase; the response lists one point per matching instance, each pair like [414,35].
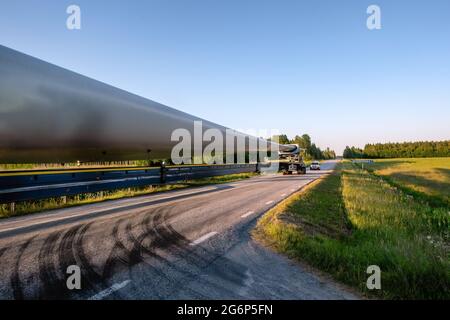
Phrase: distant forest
[311,150]
[420,149]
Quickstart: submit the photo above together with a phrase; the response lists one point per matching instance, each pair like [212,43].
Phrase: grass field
[428,178]
[28,207]
[352,219]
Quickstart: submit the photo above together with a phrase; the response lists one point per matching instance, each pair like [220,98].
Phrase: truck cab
[291,161]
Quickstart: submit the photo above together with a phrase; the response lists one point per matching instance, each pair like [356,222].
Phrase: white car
[315,165]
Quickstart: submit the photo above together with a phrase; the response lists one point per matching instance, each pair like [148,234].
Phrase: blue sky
[296,66]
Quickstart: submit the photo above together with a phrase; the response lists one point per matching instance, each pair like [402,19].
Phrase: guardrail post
[64,199]
[162,172]
[13,207]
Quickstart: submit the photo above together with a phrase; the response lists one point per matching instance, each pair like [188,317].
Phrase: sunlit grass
[353,219]
[429,177]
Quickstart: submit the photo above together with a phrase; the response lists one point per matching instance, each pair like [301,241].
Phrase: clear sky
[296,66]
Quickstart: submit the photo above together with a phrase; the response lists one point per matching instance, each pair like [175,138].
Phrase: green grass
[352,219]
[28,207]
[425,178]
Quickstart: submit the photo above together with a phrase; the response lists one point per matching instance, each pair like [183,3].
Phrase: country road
[184,244]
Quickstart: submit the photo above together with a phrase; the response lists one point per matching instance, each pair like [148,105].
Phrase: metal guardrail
[23,187]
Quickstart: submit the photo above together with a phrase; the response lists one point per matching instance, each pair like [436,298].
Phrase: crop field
[354,218]
[426,177]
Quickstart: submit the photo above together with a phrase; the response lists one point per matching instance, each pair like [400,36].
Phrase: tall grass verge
[352,219]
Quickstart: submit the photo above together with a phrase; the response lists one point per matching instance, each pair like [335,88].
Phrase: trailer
[290,162]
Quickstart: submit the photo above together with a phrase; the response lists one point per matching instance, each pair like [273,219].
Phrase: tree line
[419,149]
[311,151]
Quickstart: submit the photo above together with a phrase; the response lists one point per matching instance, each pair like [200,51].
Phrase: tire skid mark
[71,253]
[141,253]
[138,242]
[51,285]
[139,249]
[181,244]
[90,275]
[16,284]
[166,237]
[149,246]
[147,255]
[137,254]
[180,248]
[201,261]
[2,251]
[194,259]
[53,259]
[163,240]
[119,256]
[52,275]
[66,256]
[153,226]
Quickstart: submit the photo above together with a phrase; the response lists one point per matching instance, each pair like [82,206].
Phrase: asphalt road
[184,244]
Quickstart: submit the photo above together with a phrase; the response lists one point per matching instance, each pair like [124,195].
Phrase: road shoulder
[267,234]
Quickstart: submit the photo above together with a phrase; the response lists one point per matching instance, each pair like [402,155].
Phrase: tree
[281,139]
[408,149]
[347,153]
[328,154]
[353,153]
[307,143]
